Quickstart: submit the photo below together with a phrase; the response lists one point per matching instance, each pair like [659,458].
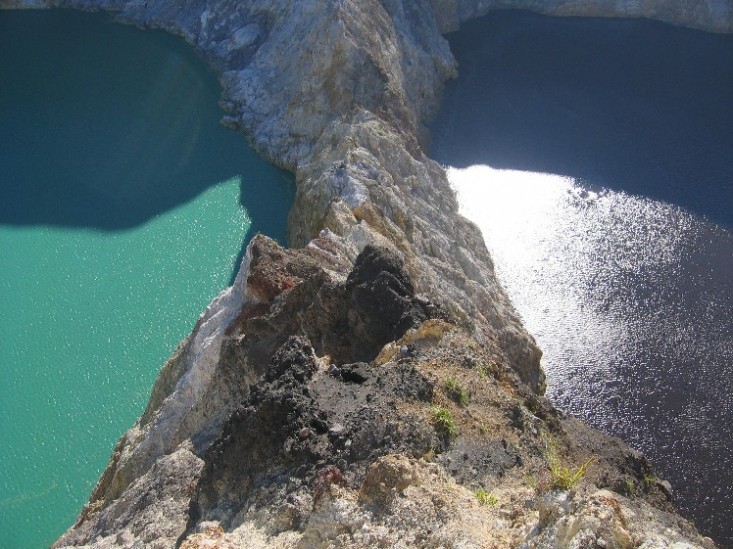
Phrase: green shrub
[485,498]
[630,486]
[444,422]
[456,392]
[531,481]
[562,477]
[565,478]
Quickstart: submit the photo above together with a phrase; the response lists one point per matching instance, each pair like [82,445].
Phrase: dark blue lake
[596,157]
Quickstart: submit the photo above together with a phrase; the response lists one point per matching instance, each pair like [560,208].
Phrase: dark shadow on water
[632,105]
[644,108]
[105,127]
[268,211]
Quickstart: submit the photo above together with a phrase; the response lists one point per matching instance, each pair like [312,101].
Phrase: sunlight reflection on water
[630,300]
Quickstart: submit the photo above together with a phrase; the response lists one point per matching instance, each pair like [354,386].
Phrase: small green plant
[486,498]
[486,370]
[630,486]
[565,478]
[562,477]
[456,392]
[444,421]
[650,479]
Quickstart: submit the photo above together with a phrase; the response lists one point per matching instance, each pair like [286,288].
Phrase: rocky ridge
[372,386]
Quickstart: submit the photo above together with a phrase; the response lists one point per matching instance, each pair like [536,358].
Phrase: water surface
[631,105]
[619,256]
[123,215]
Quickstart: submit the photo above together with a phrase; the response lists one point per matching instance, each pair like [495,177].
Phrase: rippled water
[621,266]
[630,300]
[121,218]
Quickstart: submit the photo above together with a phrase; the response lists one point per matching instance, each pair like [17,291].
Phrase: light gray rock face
[153,510]
[338,91]
[708,15]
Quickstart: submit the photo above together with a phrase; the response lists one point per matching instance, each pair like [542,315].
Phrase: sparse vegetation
[533,404]
[486,498]
[456,391]
[630,486]
[487,370]
[563,477]
[444,422]
[481,370]
[531,481]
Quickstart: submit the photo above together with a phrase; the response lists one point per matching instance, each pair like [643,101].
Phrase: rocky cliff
[372,385]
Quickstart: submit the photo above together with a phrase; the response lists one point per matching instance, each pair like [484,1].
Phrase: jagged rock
[387,478]
[299,420]
[382,304]
[152,510]
[605,519]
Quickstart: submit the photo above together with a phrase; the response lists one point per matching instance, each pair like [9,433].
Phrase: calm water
[122,216]
[621,262]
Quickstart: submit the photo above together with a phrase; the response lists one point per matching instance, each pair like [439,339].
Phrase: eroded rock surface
[371,386]
[337,378]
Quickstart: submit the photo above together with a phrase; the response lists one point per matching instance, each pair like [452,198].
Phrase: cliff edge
[372,385]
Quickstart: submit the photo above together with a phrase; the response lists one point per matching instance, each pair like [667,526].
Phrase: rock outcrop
[708,15]
[372,386]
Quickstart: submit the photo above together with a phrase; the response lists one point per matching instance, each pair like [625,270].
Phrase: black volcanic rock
[382,304]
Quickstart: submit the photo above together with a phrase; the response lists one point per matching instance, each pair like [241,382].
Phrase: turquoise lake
[125,209]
